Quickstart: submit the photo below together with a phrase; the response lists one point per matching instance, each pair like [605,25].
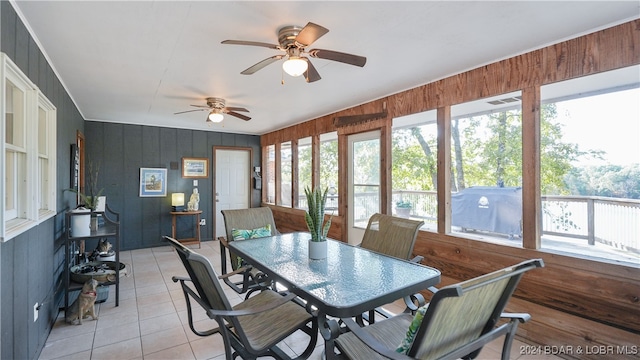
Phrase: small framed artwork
[195,167]
[153,182]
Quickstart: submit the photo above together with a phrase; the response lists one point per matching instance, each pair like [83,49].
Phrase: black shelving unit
[109,230]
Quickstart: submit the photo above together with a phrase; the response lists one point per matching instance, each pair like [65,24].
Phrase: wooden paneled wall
[574,301]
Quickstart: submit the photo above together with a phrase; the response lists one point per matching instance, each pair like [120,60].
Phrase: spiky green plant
[314,217]
[90,199]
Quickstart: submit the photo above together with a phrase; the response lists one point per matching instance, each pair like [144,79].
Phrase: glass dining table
[349,282]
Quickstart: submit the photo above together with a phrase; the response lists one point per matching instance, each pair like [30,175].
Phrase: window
[15,148]
[286,177]
[270,174]
[46,186]
[29,157]
[329,169]
[414,167]
[486,162]
[590,165]
[304,170]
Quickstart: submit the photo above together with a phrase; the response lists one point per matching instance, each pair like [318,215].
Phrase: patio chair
[393,236]
[457,323]
[244,223]
[250,329]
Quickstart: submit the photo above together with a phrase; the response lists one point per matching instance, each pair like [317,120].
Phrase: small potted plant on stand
[91,200]
[403,208]
[314,217]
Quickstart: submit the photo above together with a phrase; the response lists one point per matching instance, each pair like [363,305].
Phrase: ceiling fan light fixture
[215,116]
[295,66]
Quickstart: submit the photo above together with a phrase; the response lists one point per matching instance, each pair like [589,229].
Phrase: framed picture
[195,167]
[153,182]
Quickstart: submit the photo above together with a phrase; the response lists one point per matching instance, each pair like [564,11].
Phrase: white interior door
[233,183]
[364,182]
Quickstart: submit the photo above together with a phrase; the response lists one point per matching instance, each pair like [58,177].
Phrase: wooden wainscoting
[573,302]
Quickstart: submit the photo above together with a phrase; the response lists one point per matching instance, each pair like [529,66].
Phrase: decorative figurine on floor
[194,201]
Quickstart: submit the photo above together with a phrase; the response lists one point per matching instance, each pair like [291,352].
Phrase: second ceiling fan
[216,108]
[293,40]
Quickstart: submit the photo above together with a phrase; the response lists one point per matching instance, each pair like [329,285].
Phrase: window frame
[29,213]
[46,192]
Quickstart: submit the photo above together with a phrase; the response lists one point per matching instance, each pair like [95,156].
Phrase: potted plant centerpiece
[403,208]
[314,217]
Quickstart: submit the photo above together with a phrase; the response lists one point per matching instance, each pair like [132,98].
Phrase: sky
[609,122]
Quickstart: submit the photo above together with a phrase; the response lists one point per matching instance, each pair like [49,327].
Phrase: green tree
[486,151]
[329,164]
[413,160]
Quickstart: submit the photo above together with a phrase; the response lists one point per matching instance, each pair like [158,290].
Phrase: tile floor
[151,321]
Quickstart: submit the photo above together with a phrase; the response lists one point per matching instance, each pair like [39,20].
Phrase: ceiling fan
[293,40]
[216,108]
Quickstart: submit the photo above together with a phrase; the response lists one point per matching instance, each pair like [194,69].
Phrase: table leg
[173,226]
[329,329]
[197,234]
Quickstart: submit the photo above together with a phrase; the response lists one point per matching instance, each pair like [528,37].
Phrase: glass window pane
[329,168]
[486,161]
[285,174]
[270,174]
[304,170]
[43,168]
[590,165]
[414,167]
[366,180]
[14,115]
[42,132]
[10,183]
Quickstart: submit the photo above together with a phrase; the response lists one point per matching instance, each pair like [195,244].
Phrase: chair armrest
[239,270]
[247,311]
[253,310]
[371,342]
[522,317]
[223,241]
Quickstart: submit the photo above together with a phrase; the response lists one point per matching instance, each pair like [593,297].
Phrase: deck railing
[611,221]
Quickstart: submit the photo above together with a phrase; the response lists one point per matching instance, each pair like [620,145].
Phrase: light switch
[195,182]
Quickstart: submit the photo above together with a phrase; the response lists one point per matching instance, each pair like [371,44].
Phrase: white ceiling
[139,62]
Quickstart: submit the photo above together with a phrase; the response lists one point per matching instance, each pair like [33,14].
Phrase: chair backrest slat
[391,235]
[460,313]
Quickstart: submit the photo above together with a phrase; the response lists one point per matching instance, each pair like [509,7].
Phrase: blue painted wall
[31,264]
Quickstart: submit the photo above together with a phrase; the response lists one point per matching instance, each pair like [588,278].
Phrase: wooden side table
[187,241]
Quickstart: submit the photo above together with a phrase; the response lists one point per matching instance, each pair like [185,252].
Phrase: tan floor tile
[207,347]
[117,319]
[182,352]
[152,310]
[155,298]
[162,340]
[127,349]
[111,335]
[83,355]
[159,323]
[67,346]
